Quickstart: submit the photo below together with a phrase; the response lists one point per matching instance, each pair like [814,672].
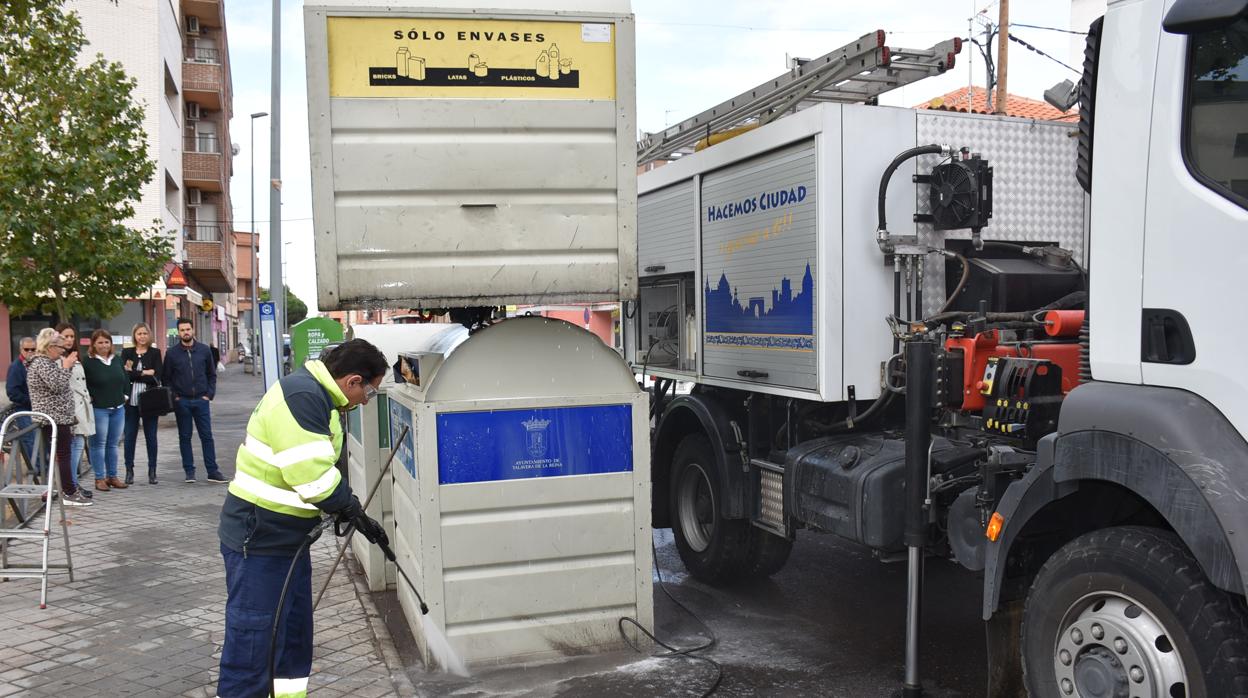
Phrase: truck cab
[1132,517]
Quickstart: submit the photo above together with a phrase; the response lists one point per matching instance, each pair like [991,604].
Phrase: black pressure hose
[308,540]
[933,149]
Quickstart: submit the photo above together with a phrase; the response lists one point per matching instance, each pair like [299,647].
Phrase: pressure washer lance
[385,549]
[311,538]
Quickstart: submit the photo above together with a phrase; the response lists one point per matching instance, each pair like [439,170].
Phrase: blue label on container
[401,417]
[519,444]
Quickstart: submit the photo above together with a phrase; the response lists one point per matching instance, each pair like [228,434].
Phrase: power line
[1042,53]
[989,6]
[747,27]
[741,27]
[284,220]
[1051,29]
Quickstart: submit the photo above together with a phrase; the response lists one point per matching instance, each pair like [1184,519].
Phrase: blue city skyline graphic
[788,314]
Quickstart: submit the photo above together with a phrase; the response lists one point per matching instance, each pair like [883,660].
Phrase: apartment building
[177,52]
[246,270]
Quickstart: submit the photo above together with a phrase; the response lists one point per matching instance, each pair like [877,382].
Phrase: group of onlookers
[94,401]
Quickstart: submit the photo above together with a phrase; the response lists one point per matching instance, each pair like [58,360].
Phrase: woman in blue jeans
[110,388]
[143,365]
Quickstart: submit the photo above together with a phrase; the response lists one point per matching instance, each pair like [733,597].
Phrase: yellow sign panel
[470,58]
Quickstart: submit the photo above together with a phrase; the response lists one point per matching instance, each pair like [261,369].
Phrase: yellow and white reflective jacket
[285,472]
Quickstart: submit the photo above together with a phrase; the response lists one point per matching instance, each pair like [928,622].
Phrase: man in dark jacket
[191,374]
[19,395]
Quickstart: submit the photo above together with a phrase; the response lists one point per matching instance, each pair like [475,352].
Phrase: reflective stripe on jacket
[285,471]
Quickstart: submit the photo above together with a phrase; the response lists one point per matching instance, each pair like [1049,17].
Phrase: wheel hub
[1099,674]
[696,507]
[1113,647]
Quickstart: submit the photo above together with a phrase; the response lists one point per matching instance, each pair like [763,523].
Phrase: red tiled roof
[1015,106]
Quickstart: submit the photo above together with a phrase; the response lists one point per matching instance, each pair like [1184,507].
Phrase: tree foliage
[1221,55]
[73,159]
[296,309]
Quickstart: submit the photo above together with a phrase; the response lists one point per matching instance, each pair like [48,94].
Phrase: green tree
[73,157]
[296,309]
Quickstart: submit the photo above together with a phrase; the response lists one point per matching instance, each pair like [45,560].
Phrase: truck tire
[765,554]
[713,548]
[1127,612]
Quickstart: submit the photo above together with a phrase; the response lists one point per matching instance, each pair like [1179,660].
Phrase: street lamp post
[254,322]
[276,285]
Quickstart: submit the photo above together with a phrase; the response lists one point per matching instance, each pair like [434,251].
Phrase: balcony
[202,164]
[203,78]
[209,257]
[203,232]
[208,11]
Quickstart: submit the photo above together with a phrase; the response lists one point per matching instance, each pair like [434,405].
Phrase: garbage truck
[1002,341]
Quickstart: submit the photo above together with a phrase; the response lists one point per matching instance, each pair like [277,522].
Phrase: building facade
[177,53]
[246,271]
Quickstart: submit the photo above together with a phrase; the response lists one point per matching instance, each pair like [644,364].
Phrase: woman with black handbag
[142,363]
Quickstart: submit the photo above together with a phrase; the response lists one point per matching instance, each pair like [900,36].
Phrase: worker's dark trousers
[253,584]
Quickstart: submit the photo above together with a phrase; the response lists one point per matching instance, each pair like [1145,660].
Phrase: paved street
[145,614]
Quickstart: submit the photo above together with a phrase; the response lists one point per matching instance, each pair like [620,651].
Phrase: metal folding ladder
[860,71]
[15,491]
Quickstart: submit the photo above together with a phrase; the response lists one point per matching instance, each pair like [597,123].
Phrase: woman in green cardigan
[109,387]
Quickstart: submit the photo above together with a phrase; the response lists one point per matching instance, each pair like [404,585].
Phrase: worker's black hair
[356,356]
[184,321]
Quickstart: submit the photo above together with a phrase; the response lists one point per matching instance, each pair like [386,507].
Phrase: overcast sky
[691,55]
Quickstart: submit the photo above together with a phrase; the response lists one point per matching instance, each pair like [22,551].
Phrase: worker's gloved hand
[354,514]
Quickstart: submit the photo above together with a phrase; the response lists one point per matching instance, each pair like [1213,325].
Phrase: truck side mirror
[1196,16]
[1063,95]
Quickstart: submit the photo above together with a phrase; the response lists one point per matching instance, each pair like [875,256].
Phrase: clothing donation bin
[522,493]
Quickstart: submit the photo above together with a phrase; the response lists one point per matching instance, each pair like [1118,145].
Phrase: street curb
[381,634]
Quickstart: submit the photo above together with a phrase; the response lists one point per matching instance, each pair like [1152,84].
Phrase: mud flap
[1005,668]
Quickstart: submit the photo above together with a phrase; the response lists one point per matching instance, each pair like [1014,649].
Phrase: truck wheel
[765,554]
[1127,612]
[711,546]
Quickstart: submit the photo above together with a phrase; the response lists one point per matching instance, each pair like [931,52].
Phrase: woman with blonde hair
[48,378]
[110,388]
[142,363]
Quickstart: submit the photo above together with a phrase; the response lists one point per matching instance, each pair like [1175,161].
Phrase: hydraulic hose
[957,291]
[841,426]
[881,229]
[1066,302]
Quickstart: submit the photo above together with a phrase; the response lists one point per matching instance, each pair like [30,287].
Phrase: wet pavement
[831,623]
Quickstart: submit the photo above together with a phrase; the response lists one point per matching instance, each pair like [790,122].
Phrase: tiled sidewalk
[145,614]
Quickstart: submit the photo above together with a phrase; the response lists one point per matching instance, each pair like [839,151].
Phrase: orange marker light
[995,524]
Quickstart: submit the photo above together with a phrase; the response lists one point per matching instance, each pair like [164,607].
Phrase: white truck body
[784,218]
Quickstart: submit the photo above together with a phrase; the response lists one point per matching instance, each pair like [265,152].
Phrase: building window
[1217,108]
[173,195]
[171,93]
[1241,145]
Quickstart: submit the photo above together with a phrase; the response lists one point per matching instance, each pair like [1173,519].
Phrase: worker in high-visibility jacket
[285,478]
